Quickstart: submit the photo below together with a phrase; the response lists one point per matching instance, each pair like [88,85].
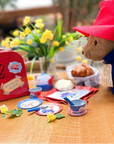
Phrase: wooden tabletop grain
[97,126]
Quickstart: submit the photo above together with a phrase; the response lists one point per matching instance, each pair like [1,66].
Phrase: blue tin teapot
[45,81]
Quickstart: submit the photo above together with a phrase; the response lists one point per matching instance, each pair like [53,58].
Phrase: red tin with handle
[13,78]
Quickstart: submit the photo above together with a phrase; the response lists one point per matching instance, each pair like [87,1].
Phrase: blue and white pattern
[42,81]
[14,67]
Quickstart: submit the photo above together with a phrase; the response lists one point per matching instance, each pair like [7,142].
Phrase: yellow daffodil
[51,117]
[63,36]
[79,58]
[31,87]
[44,36]
[56,43]
[79,49]
[37,31]
[30,77]
[43,40]
[7,40]
[22,35]
[68,34]
[38,21]
[39,25]
[29,41]
[26,20]
[70,39]
[3,109]
[82,35]
[27,30]
[16,41]
[61,49]
[7,46]
[84,61]
[48,34]
[51,60]
[16,33]
[12,44]
[3,43]
[66,43]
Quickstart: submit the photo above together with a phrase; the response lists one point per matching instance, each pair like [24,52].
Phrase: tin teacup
[34,92]
[79,105]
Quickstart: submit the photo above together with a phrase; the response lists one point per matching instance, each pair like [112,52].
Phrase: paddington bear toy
[100,44]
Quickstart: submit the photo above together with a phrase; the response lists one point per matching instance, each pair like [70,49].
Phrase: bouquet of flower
[37,42]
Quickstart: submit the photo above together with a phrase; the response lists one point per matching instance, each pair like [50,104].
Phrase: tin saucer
[52,107]
[29,103]
[78,114]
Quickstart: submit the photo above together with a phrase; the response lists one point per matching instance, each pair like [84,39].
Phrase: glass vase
[47,67]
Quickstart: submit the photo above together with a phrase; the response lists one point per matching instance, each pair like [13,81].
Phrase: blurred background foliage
[72,12]
[4,3]
[78,12]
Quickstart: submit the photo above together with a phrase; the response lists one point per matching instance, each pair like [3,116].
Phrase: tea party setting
[73,105]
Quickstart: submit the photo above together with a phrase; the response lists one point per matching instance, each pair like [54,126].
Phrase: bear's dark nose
[82,52]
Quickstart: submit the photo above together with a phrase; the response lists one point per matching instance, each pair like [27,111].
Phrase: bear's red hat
[103,26]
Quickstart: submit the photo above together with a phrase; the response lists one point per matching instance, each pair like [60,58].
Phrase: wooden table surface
[97,126]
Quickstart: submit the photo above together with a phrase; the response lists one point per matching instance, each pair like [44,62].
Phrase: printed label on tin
[12,85]
[14,67]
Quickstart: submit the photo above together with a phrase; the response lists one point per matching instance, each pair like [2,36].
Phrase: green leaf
[14,111]
[33,63]
[19,112]
[33,26]
[55,30]
[3,115]
[59,29]
[59,116]
[51,53]
[7,112]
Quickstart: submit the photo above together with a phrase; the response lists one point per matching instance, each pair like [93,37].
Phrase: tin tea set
[44,82]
